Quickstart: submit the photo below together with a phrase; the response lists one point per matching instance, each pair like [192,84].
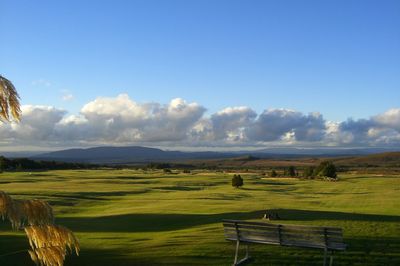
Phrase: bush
[274,173]
[326,169]
[309,171]
[291,171]
[237,181]
[167,171]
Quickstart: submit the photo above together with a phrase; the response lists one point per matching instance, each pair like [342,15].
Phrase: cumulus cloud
[382,129]
[38,124]
[230,122]
[121,120]
[285,124]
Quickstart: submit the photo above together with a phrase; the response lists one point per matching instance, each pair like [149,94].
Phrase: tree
[167,171]
[291,171]
[237,181]
[327,169]
[3,163]
[309,171]
[274,173]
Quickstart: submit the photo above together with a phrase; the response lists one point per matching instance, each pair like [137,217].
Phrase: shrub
[309,171]
[237,181]
[274,173]
[326,169]
[291,171]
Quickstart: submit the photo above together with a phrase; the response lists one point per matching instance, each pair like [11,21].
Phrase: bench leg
[236,253]
[245,259]
[325,256]
[331,259]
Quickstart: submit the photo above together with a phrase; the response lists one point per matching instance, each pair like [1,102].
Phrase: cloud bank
[122,121]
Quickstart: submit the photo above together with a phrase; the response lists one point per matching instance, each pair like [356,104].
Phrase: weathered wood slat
[326,238]
[270,224]
[293,235]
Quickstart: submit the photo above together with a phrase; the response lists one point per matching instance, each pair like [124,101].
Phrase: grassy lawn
[126,217]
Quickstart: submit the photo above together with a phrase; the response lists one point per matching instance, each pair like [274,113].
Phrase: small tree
[291,171]
[237,181]
[3,163]
[309,171]
[167,171]
[327,169]
[274,173]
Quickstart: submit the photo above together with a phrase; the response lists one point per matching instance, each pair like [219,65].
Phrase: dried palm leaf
[38,212]
[6,203]
[9,100]
[48,256]
[42,236]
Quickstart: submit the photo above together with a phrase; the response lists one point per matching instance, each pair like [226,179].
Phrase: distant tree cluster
[274,173]
[324,169]
[159,165]
[22,164]
[291,171]
[237,181]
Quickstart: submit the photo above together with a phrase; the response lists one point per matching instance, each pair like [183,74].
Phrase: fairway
[134,217]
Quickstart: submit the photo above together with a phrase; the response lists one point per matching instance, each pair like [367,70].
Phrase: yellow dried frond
[34,212]
[16,214]
[38,212]
[11,209]
[52,236]
[6,203]
[50,243]
[48,256]
[9,100]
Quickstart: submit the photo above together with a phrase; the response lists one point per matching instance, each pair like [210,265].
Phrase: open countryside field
[132,217]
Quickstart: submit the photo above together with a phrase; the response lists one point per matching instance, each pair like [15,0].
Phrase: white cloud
[41,83]
[276,124]
[120,120]
[230,123]
[67,97]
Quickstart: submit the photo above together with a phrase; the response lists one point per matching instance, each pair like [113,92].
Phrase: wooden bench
[329,239]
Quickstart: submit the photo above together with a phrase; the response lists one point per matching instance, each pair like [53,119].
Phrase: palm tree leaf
[9,101]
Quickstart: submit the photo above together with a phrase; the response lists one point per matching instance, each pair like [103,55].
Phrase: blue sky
[339,58]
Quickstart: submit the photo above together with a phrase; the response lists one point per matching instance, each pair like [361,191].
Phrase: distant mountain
[138,154]
[386,159]
[131,154]
[19,154]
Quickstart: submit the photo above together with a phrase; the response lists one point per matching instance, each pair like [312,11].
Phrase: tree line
[24,164]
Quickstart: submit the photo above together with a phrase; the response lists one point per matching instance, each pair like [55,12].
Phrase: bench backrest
[330,238]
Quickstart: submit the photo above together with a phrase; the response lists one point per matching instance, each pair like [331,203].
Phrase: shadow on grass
[13,249]
[140,222]
[308,215]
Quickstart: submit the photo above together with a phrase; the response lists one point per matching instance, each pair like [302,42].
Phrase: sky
[202,73]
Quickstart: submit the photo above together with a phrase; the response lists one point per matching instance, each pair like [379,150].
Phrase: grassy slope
[134,218]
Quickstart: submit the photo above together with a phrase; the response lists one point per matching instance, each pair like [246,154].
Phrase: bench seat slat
[270,224]
[286,235]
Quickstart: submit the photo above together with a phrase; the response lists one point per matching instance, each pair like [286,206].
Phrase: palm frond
[9,100]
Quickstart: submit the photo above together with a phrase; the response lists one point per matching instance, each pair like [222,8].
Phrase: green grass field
[126,217]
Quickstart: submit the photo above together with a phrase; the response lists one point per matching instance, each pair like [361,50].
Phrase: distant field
[126,217]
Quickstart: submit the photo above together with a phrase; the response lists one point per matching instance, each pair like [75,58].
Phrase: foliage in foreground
[49,243]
